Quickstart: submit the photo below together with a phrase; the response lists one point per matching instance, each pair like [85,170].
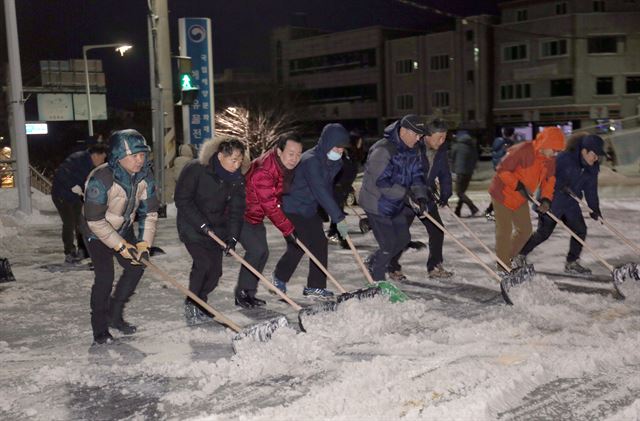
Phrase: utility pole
[164,141]
[16,109]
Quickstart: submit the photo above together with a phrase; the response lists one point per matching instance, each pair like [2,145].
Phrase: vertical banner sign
[195,42]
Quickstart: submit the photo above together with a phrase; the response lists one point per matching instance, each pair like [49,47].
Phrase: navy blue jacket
[438,170]
[72,172]
[499,149]
[580,178]
[313,177]
[392,168]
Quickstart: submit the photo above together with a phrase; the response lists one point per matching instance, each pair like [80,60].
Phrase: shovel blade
[394,293]
[514,278]
[623,280]
[260,331]
[366,292]
[318,308]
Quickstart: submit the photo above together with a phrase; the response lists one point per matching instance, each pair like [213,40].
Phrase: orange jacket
[524,162]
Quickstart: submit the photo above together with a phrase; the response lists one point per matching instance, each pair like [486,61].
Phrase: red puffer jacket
[264,183]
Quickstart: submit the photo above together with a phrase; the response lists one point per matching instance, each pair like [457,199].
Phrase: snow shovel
[302,311]
[344,295]
[620,273]
[513,276]
[6,275]
[394,293]
[504,287]
[604,222]
[260,331]
[364,221]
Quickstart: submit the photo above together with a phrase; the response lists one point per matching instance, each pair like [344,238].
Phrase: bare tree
[258,120]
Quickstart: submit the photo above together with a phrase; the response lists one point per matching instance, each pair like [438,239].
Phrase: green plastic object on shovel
[389,289]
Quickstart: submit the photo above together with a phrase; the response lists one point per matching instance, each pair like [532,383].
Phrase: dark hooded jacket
[438,169]
[202,196]
[464,154]
[72,172]
[392,168]
[574,173]
[313,177]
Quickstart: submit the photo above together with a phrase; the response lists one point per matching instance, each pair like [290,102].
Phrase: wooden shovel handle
[359,260]
[465,248]
[253,270]
[574,235]
[320,265]
[487,249]
[164,275]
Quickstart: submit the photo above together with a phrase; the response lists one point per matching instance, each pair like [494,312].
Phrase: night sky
[57,30]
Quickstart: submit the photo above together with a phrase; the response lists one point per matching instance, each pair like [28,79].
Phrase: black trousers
[546,225]
[436,241]
[310,232]
[206,269]
[392,235]
[102,258]
[70,213]
[253,238]
[462,184]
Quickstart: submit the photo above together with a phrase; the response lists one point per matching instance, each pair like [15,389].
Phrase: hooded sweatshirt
[524,163]
[313,177]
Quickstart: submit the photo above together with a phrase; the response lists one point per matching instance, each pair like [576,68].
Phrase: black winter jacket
[202,197]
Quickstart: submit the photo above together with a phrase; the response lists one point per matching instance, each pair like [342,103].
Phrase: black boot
[191,313]
[116,307]
[243,299]
[103,338]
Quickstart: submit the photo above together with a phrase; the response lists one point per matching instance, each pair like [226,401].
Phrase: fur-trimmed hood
[210,147]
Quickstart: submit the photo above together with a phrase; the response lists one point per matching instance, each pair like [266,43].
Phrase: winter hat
[593,143]
[126,142]
[414,123]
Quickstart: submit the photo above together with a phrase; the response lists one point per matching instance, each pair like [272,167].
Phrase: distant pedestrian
[185,155]
[210,198]
[119,192]
[67,194]
[343,185]
[464,155]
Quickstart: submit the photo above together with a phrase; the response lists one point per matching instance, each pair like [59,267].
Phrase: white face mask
[333,155]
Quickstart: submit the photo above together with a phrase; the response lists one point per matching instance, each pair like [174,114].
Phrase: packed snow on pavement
[567,349]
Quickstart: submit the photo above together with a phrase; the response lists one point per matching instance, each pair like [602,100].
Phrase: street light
[121,48]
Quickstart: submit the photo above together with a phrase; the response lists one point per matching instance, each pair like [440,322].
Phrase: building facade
[574,63]
[340,75]
[444,74]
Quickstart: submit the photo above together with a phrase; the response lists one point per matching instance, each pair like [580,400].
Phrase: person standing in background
[465,156]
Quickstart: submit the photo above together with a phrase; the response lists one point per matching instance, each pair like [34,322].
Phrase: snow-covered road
[568,349]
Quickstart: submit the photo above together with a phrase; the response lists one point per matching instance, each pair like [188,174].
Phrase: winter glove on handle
[231,245]
[142,251]
[596,214]
[418,204]
[206,229]
[545,205]
[343,229]
[522,189]
[128,251]
[291,238]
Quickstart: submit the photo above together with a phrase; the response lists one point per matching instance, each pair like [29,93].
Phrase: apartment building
[569,62]
[444,74]
[340,75]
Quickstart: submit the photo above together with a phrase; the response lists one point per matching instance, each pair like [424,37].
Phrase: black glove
[418,204]
[567,190]
[523,190]
[231,245]
[206,228]
[443,203]
[291,238]
[596,214]
[545,205]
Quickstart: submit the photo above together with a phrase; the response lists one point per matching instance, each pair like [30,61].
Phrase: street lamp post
[121,48]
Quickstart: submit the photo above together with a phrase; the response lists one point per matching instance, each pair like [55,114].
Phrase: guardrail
[38,180]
